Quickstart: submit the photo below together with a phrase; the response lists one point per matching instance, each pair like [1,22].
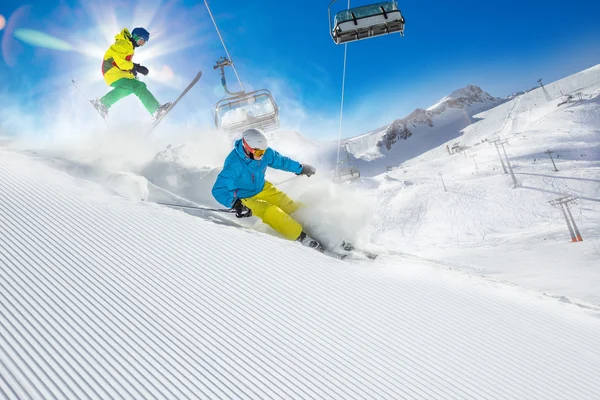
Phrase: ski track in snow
[108,298]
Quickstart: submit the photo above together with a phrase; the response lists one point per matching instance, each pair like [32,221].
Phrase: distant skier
[121,73]
[241,185]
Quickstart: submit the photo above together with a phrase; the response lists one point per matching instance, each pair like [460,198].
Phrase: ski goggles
[256,153]
[140,41]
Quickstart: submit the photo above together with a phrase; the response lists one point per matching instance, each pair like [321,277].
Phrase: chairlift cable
[342,107]
[342,103]
[223,43]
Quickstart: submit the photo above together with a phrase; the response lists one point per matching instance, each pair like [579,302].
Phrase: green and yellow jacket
[117,62]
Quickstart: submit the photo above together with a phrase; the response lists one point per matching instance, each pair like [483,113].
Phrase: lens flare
[8,45]
[41,39]
[2,22]
[165,73]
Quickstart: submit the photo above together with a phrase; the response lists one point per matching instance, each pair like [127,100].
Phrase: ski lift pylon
[240,111]
[365,22]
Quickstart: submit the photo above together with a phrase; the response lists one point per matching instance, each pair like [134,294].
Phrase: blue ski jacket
[243,177]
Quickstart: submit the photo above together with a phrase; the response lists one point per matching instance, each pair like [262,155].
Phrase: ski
[223,210]
[347,251]
[350,248]
[91,103]
[187,89]
[335,254]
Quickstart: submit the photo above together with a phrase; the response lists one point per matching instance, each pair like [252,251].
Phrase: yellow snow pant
[274,208]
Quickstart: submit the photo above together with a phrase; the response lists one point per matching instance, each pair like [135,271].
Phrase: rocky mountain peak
[471,98]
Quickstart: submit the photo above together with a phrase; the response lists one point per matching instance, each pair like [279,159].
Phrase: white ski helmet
[255,139]
[255,143]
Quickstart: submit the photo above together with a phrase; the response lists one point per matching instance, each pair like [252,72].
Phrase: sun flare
[97,23]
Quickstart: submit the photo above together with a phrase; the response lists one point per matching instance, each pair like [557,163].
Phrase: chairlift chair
[243,110]
[344,171]
[251,110]
[366,22]
[346,174]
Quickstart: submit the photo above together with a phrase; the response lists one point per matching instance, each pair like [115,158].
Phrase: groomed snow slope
[102,297]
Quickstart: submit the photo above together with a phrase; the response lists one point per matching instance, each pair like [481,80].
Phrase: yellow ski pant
[274,208]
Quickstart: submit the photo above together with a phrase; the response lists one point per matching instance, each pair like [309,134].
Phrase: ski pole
[225,210]
[194,207]
[286,180]
[80,91]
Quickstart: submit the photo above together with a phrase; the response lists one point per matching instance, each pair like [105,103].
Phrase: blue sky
[285,47]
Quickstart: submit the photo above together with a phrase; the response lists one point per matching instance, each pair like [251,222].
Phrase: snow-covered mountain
[520,222]
[420,131]
[468,96]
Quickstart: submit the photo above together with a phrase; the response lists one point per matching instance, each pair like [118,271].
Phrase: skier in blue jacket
[241,185]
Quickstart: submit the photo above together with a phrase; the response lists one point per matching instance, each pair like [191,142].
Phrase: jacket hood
[123,35]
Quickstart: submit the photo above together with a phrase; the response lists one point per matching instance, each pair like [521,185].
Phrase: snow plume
[121,158]
[332,212]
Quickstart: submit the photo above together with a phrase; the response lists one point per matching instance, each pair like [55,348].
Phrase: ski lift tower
[548,98]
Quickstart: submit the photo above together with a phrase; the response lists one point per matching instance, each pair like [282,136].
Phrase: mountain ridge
[467,98]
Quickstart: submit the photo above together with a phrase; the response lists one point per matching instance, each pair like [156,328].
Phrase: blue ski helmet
[140,33]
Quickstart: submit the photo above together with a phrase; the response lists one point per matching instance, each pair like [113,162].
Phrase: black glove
[139,68]
[241,211]
[307,170]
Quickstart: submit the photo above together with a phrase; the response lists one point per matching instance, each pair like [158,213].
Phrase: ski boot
[100,107]
[307,241]
[160,111]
